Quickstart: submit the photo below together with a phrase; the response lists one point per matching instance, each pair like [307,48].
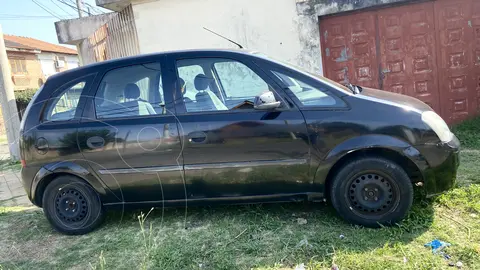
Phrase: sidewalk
[11,190]
[4,151]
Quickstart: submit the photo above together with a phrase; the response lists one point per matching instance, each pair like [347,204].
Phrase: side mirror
[266,101]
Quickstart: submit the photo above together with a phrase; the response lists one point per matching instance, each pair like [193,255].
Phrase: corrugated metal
[427,50]
[116,38]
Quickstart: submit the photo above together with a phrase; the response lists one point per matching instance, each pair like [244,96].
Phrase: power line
[23,15]
[61,8]
[23,18]
[94,8]
[74,7]
[46,9]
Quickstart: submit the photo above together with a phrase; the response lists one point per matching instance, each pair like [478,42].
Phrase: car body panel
[253,156]
[245,152]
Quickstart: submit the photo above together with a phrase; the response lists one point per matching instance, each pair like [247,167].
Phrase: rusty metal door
[349,50]
[407,52]
[428,50]
[458,27]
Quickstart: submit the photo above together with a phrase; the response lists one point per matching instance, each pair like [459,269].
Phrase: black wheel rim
[70,205]
[372,194]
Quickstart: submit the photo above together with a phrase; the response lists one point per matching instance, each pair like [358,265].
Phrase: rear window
[29,106]
[63,105]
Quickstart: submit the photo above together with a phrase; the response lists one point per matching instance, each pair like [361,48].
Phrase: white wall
[73,61]
[272,27]
[47,62]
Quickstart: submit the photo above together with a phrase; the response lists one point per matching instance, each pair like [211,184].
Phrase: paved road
[11,190]
[4,152]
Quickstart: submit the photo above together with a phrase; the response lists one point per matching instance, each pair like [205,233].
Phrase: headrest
[181,85]
[202,82]
[131,91]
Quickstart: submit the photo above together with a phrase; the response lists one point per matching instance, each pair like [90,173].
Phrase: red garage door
[430,51]
[458,45]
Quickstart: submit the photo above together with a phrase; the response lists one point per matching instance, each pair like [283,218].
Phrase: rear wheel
[372,191]
[72,206]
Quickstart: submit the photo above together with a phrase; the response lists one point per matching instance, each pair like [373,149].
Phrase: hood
[389,98]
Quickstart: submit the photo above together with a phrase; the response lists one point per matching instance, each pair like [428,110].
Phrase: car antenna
[240,46]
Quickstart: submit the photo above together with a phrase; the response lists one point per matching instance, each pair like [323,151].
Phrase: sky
[26,18]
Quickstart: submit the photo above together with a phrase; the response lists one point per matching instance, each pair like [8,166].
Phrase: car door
[129,135]
[230,149]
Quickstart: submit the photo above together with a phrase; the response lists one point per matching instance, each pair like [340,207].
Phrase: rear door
[129,135]
[230,149]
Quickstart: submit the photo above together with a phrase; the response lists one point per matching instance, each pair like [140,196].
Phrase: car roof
[125,60]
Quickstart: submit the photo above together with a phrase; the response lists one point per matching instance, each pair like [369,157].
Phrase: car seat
[205,99]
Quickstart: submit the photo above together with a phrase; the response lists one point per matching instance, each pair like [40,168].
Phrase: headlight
[436,123]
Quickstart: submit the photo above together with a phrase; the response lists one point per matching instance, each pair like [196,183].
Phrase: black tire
[72,206]
[372,192]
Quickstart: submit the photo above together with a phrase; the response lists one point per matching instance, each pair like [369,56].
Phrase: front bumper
[443,160]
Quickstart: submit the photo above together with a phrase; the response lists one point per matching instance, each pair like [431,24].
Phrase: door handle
[197,137]
[95,142]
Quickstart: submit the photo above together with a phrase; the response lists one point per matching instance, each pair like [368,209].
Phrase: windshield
[305,72]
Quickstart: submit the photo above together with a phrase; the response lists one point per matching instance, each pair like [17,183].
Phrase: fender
[368,142]
[69,167]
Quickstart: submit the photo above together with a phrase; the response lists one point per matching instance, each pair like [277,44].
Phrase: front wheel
[372,192]
[72,206]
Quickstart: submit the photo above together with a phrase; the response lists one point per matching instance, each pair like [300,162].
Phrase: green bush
[24,96]
[468,132]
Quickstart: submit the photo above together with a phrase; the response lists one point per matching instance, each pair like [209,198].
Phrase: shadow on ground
[233,237]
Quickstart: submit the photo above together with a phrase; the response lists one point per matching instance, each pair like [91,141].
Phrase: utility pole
[79,8]
[7,99]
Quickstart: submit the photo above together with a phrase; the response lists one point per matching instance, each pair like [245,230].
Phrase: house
[32,61]
[426,49]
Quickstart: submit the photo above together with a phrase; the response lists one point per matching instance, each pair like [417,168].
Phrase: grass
[9,165]
[469,133]
[3,139]
[256,236]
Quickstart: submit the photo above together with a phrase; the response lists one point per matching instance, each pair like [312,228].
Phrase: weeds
[255,236]
[468,132]
[101,265]
[148,241]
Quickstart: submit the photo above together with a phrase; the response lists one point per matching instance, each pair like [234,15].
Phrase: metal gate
[430,51]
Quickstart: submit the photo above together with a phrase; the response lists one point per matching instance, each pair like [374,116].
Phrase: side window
[64,105]
[215,84]
[129,92]
[143,85]
[307,95]
[238,81]
[187,79]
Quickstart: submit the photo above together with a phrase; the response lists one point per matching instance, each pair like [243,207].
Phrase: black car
[222,126]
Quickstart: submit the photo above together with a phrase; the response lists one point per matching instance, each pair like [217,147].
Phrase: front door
[129,135]
[231,149]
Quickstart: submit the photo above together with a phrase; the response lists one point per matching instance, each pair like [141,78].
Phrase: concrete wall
[75,30]
[273,27]
[30,80]
[329,7]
